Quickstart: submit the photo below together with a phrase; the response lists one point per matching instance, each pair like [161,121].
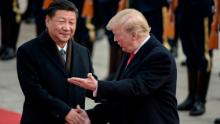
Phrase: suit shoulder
[29,45]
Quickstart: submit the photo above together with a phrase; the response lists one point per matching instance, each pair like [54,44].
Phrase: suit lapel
[75,60]
[140,55]
[75,92]
[69,59]
[121,66]
[49,48]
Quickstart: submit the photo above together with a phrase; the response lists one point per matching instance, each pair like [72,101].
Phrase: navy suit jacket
[143,92]
[43,80]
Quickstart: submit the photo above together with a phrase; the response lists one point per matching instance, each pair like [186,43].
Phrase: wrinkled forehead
[65,14]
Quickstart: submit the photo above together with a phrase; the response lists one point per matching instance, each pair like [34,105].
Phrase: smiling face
[61,27]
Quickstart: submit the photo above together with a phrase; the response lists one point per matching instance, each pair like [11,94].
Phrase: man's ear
[47,18]
[134,35]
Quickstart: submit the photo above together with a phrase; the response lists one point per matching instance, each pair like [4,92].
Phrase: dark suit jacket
[143,93]
[148,5]
[43,79]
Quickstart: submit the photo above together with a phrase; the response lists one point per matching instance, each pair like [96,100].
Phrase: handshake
[77,116]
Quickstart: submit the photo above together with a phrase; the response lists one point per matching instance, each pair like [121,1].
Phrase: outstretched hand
[89,83]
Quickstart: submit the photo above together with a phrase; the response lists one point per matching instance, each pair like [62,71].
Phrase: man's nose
[66,26]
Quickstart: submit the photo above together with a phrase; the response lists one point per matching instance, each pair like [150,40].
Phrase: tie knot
[130,58]
[132,54]
[62,52]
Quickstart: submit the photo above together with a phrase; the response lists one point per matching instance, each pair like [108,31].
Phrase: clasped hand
[77,116]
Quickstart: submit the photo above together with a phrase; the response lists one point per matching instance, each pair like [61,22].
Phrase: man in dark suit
[144,88]
[82,32]
[10,26]
[43,70]
[194,30]
[104,11]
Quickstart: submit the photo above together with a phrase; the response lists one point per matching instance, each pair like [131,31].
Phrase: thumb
[78,109]
[78,106]
[90,76]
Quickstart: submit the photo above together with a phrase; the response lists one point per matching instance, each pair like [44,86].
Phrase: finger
[74,120]
[78,106]
[71,80]
[74,79]
[70,122]
[89,75]
[79,110]
[82,113]
[78,119]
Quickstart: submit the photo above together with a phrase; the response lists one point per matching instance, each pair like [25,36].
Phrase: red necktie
[130,58]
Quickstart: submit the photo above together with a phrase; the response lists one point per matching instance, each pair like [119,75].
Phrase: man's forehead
[64,12]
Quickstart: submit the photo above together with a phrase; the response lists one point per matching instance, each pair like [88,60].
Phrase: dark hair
[61,5]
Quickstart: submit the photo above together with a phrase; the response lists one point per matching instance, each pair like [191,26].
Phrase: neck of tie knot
[130,58]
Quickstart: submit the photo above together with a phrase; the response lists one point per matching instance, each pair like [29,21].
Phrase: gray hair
[131,20]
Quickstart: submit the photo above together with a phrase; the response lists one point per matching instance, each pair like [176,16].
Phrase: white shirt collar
[145,40]
[64,48]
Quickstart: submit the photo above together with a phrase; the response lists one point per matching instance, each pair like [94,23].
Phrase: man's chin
[65,39]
